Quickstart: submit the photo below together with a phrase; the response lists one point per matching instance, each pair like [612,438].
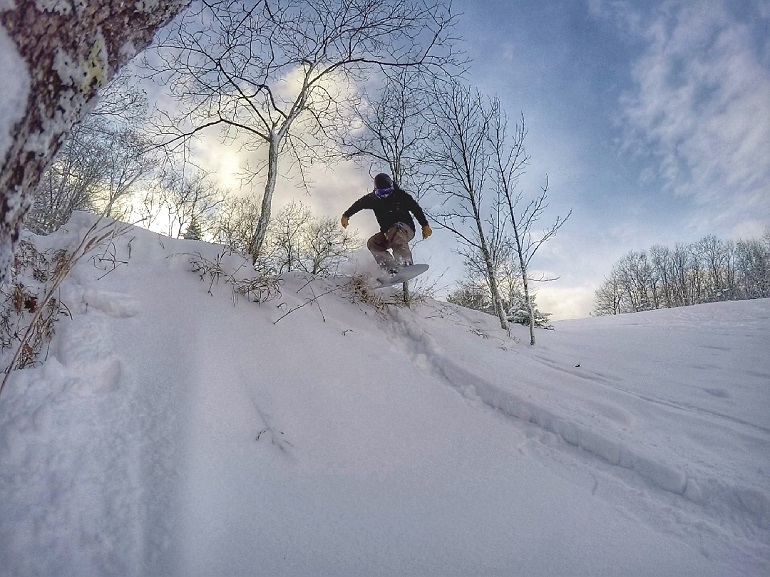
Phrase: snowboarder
[392,207]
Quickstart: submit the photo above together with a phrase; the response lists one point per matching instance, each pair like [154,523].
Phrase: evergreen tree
[194,231]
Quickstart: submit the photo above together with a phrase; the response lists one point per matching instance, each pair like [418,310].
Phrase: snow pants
[396,239]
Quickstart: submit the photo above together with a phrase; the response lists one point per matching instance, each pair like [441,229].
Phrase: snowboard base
[404,274]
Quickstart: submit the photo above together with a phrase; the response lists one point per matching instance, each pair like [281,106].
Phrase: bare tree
[284,239]
[660,260]
[638,284]
[473,289]
[127,163]
[753,264]
[64,55]
[326,247]
[510,161]
[712,251]
[235,222]
[393,131]
[680,268]
[69,183]
[297,240]
[147,205]
[274,75]
[608,298]
[99,163]
[460,153]
[188,198]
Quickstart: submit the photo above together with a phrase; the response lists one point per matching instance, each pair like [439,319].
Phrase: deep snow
[179,433]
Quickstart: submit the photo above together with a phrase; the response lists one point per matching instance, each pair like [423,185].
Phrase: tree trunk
[524,276]
[63,57]
[493,288]
[267,199]
[530,310]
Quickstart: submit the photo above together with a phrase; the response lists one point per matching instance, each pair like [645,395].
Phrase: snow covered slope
[173,431]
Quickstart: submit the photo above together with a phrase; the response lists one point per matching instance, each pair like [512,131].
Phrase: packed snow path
[172,432]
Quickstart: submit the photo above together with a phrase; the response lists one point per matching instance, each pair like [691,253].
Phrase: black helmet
[382,180]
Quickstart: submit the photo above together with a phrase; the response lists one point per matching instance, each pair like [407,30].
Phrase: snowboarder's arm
[360,204]
[417,211]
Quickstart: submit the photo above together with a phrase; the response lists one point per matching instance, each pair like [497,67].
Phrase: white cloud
[566,302]
[700,110]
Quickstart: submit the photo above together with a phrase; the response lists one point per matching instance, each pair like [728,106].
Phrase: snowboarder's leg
[378,245]
[398,237]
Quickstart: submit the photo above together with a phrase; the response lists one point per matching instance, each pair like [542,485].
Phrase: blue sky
[651,120]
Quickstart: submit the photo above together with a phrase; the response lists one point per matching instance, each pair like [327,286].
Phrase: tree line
[709,270]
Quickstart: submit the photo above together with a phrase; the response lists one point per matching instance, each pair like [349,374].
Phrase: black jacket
[390,209]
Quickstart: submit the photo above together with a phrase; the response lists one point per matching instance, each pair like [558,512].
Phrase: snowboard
[404,274]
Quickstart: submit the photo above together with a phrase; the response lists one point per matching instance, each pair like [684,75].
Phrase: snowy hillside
[178,431]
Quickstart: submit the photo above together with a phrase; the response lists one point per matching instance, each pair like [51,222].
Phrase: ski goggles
[383,192]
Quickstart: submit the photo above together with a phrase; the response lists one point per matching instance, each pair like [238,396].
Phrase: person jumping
[392,207]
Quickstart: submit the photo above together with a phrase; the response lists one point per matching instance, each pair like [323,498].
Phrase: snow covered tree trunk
[56,56]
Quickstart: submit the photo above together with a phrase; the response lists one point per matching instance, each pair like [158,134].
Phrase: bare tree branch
[268,72]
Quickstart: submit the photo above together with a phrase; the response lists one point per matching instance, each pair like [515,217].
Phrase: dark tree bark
[70,53]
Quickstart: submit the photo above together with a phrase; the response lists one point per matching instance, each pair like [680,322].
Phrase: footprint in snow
[86,353]
[116,305]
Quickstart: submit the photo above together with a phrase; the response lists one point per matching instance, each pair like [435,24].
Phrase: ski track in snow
[598,378]
[748,507]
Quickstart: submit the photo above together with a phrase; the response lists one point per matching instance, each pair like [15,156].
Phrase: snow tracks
[660,441]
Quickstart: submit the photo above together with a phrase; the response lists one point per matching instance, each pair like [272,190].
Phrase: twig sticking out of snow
[258,289]
[310,301]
